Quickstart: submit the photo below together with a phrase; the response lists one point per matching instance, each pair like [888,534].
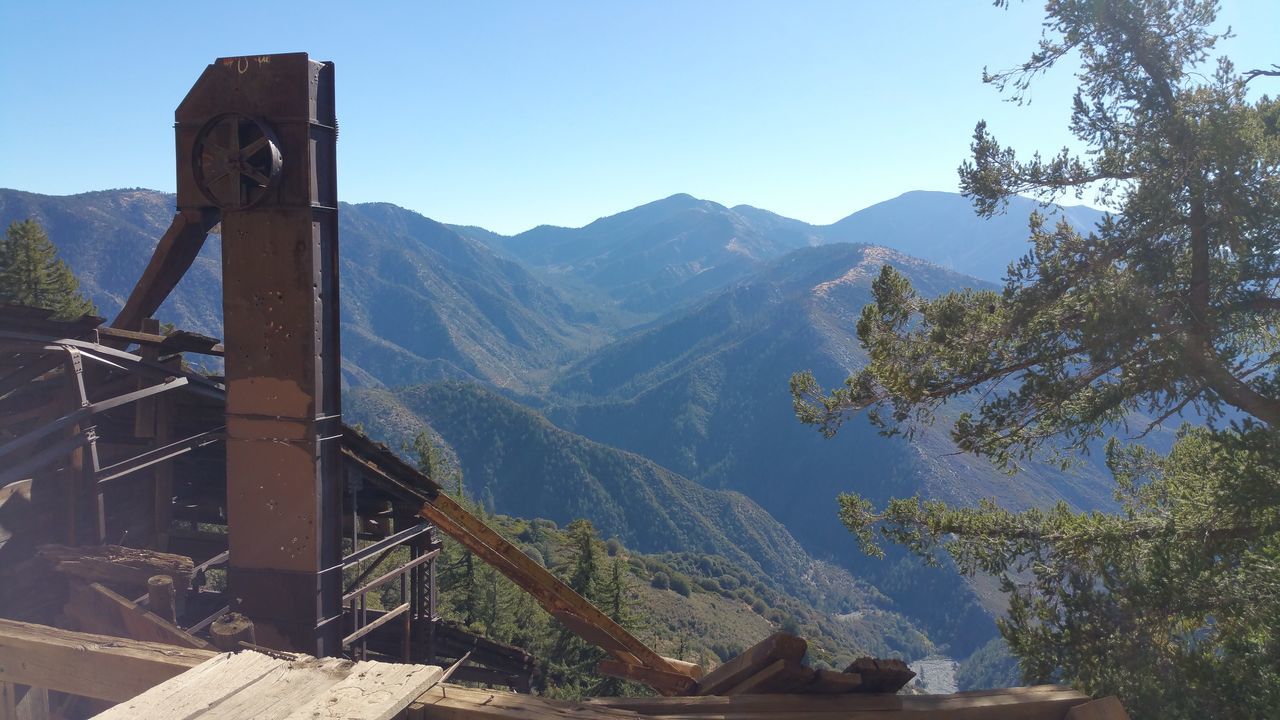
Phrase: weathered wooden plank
[1045,702]
[198,688]
[831,681]
[372,691]
[750,705]
[447,702]
[96,666]
[20,702]
[779,646]
[454,702]
[253,685]
[758,682]
[114,565]
[1107,708]
[278,692]
[1041,702]
[676,683]
[793,679]
[98,609]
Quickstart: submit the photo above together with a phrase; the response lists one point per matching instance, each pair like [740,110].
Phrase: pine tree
[32,274]
[572,662]
[458,578]
[615,600]
[1174,603]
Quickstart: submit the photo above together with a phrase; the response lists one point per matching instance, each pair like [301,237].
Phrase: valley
[634,372]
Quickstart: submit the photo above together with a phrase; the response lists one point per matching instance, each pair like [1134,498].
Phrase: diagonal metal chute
[172,258]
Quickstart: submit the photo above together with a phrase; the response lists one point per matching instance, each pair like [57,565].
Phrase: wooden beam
[96,666]
[22,702]
[174,253]
[791,678]
[677,683]
[779,646]
[1047,702]
[551,592]
[759,681]
[98,609]
[118,565]
[454,702]
[835,682]
[179,341]
[1050,702]
[750,705]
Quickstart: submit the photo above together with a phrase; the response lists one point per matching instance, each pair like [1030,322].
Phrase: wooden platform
[252,685]
[155,680]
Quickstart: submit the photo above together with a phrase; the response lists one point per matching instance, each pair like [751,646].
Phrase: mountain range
[634,371]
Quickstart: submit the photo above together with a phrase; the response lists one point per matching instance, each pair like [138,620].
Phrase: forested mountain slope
[419,301]
[515,462]
[669,331]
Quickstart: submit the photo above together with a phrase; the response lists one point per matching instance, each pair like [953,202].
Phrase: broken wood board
[881,675]
[96,666]
[253,685]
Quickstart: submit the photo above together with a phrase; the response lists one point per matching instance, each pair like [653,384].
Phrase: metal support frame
[256,143]
[386,544]
[408,574]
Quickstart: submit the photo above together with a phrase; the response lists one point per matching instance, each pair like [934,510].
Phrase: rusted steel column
[257,136]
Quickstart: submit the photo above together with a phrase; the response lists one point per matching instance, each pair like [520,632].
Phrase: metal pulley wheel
[236,161]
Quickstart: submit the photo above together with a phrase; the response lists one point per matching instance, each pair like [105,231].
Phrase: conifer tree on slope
[31,273]
[1172,303]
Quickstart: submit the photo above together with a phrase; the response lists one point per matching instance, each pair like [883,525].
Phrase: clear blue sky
[512,114]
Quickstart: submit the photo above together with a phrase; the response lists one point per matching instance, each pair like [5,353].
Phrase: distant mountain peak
[873,258]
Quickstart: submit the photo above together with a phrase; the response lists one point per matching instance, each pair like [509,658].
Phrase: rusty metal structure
[110,443]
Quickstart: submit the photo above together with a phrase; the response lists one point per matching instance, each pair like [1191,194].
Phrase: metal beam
[46,455]
[400,570]
[157,455]
[385,543]
[382,620]
[89,410]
